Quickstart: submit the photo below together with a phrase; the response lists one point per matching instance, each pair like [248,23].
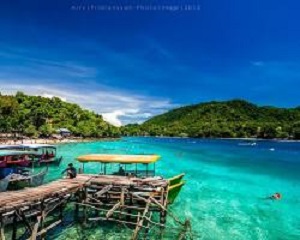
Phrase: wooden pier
[134,202]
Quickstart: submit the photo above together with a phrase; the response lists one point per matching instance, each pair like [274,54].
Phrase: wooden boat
[13,169]
[176,179]
[175,185]
[15,158]
[45,154]
[19,181]
[10,147]
[4,183]
[130,165]
[174,190]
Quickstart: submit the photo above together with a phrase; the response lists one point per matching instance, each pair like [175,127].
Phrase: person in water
[275,196]
[71,171]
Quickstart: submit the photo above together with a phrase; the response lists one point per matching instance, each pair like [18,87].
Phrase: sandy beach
[53,141]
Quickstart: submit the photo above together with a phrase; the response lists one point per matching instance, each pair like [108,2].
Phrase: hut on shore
[64,132]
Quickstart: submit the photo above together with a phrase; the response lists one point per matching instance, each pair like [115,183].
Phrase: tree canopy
[35,116]
[229,119]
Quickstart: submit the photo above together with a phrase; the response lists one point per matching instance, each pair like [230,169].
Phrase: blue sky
[131,65]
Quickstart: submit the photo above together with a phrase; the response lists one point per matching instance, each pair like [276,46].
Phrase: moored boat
[14,171]
[44,154]
[15,158]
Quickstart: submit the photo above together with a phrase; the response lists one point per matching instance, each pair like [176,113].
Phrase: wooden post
[84,207]
[2,236]
[76,209]
[35,229]
[136,172]
[139,224]
[61,209]
[122,200]
[146,169]
[42,212]
[130,204]
[104,168]
[148,227]
[14,230]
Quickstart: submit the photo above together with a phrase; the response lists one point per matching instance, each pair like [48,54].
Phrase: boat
[45,154]
[248,143]
[175,185]
[10,147]
[4,183]
[139,167]
[176,179]
[174,190]
[18,181]
[11,159]
[15,171]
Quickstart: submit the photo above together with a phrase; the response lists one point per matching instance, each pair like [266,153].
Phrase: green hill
[35,116]
[236,118]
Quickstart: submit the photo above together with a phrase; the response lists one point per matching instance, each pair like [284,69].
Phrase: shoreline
[55,141]
[218,138]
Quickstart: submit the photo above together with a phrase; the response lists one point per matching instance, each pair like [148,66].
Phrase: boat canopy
[7,147]
[123,159]
[16,153]
[37,146]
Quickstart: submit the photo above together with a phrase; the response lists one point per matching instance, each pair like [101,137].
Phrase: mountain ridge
[233,118]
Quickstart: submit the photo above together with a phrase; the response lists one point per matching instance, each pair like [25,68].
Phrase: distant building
[64,132]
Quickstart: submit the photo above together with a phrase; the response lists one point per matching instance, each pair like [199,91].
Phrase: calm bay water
[226,183]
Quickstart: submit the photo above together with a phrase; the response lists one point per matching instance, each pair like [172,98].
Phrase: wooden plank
[111,211]
[140,222]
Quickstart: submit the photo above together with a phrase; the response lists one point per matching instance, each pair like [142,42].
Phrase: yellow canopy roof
[109,158]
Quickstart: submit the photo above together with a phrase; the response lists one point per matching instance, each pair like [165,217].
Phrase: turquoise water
[226,183]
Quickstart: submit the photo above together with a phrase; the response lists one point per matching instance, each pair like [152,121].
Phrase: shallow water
[226,183]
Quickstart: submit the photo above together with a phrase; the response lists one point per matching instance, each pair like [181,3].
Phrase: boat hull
[175,185]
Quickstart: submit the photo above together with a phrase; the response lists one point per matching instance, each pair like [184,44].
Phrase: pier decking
[131,201]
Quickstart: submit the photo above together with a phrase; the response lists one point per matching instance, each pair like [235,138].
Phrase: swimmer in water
[275,196]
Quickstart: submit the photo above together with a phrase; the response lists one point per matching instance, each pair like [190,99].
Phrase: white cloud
[117,107]
[46,95]
[114,117]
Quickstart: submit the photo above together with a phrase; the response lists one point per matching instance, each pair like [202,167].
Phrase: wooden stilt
[14,228]
[140,222]
[76,213]
[85,209]
[61,208]
[24,219]
[35,228]
[146,237]
[2,236]
[42,214]
[122,200]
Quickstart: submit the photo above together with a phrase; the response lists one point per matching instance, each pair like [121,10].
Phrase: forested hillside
[236,118]
[35,116]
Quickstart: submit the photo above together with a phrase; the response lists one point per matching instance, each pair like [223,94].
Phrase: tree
[37,115]
[46,130]
[31,131]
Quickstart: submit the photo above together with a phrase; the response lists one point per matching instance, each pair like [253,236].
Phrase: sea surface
[227,182]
